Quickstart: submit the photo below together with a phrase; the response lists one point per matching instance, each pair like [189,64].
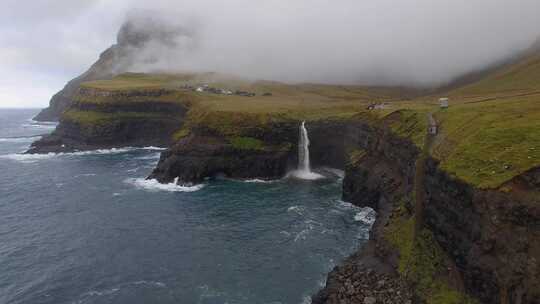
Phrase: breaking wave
[111,291]
[155,186]
[40,124]
[256,180]
[366,216]
[22,139]
[35,157]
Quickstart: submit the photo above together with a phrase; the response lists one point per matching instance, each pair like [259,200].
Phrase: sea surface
[87,228]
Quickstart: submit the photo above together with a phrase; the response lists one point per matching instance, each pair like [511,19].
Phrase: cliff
[104,119]
[458,211]
[476,245]
[139,31]
[466,250]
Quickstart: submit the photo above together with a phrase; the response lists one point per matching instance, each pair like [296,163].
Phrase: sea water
[87,227]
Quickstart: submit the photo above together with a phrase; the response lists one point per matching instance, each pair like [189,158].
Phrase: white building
[443,102]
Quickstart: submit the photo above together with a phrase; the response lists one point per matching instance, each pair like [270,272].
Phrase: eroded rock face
[378,180]
[137,124]
[206,154]
[494,237]
[491,236]
[197,157]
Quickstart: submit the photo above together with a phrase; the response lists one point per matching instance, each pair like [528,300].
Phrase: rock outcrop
[139,31]
[122,122]
[480,244]
[206,153]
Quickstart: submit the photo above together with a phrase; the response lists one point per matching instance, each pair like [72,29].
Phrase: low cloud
[413,42]
[383,42]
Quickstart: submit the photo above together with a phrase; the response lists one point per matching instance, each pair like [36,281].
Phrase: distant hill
[138,31]
[474,76]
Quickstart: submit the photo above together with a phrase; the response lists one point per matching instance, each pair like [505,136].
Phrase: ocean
[86,227]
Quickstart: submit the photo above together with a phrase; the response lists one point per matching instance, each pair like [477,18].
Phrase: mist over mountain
[413,43]
[384,42]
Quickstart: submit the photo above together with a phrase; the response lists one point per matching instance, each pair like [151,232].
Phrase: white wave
[100,151]
[256,180]
[52,123]
[153,148]
[34,157]
[40,125]
[286,233]
[347,206]
[110,291]
[154,186]
[28,158]
[99,293]
[86,174]
[301,235]
[26,139]
[306,300]
[304,174]
[366,216]
[297,209]
[151,283]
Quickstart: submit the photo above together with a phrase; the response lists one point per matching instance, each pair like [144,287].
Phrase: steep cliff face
[379,172]
[104,68]
[493,236]
[197,157]
[253,153]
[480,244]
[94,125]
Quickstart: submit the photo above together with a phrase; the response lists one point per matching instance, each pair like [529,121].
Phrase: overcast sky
[45,43]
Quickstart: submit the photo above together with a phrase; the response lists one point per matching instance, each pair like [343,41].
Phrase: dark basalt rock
[195,158]
[155,127]
[206,154]
[363,283]
[494,237]
[69,136]
[376,181]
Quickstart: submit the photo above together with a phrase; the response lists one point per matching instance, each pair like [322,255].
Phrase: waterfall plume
[304,167]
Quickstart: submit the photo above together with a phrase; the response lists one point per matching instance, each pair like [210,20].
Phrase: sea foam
[305,175]
[154,186]
[23,139]
[35,157]
[366,216]
[256,180]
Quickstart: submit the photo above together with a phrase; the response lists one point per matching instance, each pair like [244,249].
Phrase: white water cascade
[303,150]
[304,166]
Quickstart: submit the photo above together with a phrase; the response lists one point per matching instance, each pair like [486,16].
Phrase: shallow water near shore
[87,228]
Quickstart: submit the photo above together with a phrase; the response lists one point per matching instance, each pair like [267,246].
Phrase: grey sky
[44,43]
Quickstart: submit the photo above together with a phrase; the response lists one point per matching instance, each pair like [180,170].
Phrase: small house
[443,103]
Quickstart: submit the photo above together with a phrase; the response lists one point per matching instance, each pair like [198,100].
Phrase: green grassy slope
[491,132]
[488,135]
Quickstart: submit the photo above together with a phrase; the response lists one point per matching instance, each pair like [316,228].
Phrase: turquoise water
[87,228]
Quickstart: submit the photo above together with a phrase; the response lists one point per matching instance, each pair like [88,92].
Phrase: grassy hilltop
[488,135]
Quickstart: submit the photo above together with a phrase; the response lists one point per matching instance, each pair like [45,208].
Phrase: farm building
[443,102]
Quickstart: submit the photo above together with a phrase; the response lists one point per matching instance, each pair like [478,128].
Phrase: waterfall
[304,167]
[303,150]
